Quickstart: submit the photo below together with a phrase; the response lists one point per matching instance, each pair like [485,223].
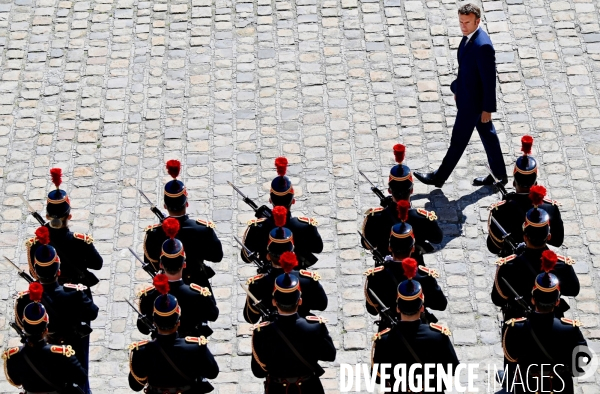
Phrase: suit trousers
[465,123]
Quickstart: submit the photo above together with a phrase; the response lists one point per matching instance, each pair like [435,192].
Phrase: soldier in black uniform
[290,365]
[282,259]
[197,303]
[68,306]
[411,341]
[170,364]
[542,338]
[76,250]
[378,221]
[308,240]
[510,211]
[198,236]
[520,271]
[57,369]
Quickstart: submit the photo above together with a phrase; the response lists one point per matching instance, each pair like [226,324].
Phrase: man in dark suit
[475,95]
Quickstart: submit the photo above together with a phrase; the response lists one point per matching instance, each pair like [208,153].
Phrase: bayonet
[161,216]
[147,267]
[33,212]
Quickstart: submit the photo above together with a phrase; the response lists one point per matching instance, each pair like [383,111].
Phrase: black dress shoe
[488,181]
[429,178]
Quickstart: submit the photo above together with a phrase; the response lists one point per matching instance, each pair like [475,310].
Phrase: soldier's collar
[185,216]
[52,285]
[176,280]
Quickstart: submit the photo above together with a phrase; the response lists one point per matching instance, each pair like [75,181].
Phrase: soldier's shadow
[450,213]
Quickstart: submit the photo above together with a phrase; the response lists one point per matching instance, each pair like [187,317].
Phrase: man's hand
[486,117]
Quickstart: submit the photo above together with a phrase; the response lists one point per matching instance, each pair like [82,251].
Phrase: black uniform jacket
[384,281]
[56,363]
[77,255]
[307,239]
[378,224]
[521,271]
[197,307]
[200,243]
[261,286]
[147,364]
[274,360]
[67,306]
[430,343]
[510,213]
[558,337]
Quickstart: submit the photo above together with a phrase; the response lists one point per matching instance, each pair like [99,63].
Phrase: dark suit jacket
[475,85]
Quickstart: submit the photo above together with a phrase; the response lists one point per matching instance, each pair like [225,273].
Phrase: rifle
[516,248]
[82,330]
[36,215]
[497,183]
[19,331]
[259,212]
[518,299]
[384,311]
[161,216]
[377,256]
[262,268]
[149,268]
[383,200]
[143,318]
[267,314]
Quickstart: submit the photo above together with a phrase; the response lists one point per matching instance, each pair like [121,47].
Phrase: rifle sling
[538,343]
[293,349]
[166,356]
[410,349]
[38,373]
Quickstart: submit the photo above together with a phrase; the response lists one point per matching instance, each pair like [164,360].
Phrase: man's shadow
[450,213]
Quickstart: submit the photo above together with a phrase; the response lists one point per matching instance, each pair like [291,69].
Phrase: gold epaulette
[253,279]
[21,294]
[84,237]
[10,352]
[552,202]
[496,205]
[136,345]
[65,350]
[430,271]
[29,243]
[380,334]
[145,291]
[199,340]
[504,260]
[311,221]
[574,323]
[152,227]
[373,271]
[319,319]
[565,259]
[514,320]
[428,214]
[258,326]
[373,211]
[205,291]
[206,223]
[78,286]
[254,222]
[314,275]
[440,328]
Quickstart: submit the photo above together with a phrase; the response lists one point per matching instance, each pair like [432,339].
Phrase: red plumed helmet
[288,261]
[281,164]
[526,143]
[537,194]
[43,235]
[399,151]
[173,168]
[161,283]
[280,215]
[409,265]
[549,259]
[35,291]
[402,207]
[170,227]
[56,176]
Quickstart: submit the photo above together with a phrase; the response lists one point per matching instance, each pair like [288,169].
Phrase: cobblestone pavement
[109,90]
